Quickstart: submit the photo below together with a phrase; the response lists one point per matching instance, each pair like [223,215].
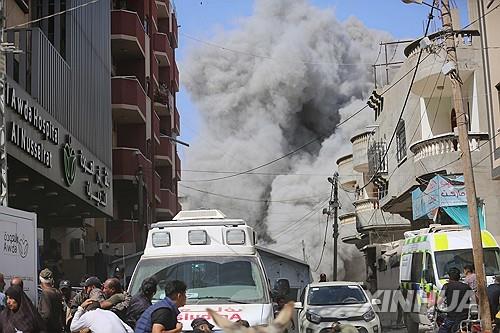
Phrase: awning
[460,214]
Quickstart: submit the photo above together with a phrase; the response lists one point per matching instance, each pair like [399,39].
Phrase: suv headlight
[313,317]
[369,315]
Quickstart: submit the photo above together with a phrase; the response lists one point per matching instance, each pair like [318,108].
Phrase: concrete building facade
[57,101]
[425,138]
[144,83]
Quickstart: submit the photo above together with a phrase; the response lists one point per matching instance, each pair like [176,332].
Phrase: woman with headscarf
[20,315]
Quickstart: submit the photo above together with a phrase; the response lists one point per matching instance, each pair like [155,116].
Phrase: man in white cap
[50,303]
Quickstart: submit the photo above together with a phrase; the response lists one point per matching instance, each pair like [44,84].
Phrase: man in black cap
[201,325]
[91,290]
[68,295]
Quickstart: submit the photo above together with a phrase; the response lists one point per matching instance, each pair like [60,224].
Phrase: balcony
[128,100]
[177,122]
[156,127]
[346,173]
[162,49]
[177,167]
[164,153]
[127,34]
[175,81]
[429,72]
[444,149]
[157,181]
[369,215]
[348,228]
[155,72]
[126,162]
[161,101]
[360,151]
[175,30]
[168,204]
[162,8]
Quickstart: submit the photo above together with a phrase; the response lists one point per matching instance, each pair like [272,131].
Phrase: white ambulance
[217,259]
[428,254]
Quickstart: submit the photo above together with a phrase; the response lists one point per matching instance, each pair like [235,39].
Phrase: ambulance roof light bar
[186,215]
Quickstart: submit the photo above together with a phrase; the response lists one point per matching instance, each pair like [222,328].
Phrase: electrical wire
[326,228]
[246,199]
[224,48]
[52,15]
[379,167]
[305,144]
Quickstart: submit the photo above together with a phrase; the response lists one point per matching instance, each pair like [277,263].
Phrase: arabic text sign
[440,192]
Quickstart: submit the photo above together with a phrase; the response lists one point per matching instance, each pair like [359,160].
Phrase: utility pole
[470,188]
[334,204]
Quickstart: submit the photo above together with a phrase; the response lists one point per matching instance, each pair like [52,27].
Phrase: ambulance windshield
[445,260]
[210,280]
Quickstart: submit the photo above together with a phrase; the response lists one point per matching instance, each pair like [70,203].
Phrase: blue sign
[441,191]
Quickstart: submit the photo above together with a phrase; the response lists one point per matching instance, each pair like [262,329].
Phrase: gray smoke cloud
[295,71]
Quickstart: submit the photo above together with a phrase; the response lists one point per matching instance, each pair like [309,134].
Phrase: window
[400,141]
[336,295]
[210,279]
[430,269]
[416,267]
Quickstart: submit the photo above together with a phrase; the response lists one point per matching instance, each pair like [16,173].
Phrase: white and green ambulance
[427,256]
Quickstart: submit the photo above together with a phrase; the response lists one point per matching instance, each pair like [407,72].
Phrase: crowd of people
[97,308]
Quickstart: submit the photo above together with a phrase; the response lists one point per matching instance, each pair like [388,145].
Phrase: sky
[201,19]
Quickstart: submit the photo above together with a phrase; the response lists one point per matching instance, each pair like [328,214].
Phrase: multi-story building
[57,112]
[144,83]
[400,183]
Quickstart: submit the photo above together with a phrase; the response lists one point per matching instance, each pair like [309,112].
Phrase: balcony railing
[162,49]
[346,172]
[128,100]
[157,181]
[175,29]
[164,153]
[168,203]
[156,127]
[127,34]
[175,80]
[162,8]
[444,144]
[360,151]
[177,122]
[377,158]
[177,166]
[126,162]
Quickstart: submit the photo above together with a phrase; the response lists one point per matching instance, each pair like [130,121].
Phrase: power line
[52,15]
[224,48]
[430,17]
[245,199]
[305,144]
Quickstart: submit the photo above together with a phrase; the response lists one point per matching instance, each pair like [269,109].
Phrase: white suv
[324,303]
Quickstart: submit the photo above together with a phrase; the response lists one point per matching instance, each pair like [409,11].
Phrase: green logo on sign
[69,160]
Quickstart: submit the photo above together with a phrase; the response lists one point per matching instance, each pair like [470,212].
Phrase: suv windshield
[336,295]
[458,258]
[210,280]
